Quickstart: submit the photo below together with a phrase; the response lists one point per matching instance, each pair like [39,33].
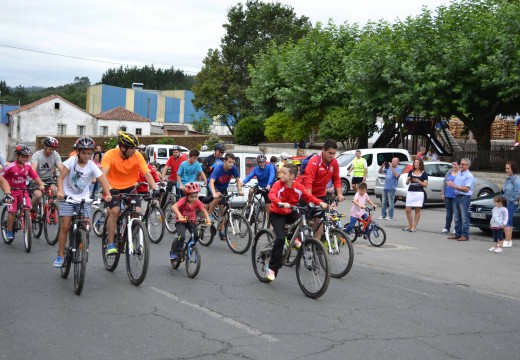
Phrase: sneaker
[507,244]
[453,232]
[222,235]
[111,249]
[498,250]
[297,243]
[58,262]
[270,275]
[381,218]
[9,235]
[389,218]
[173,255]
[445,231]
[492,249]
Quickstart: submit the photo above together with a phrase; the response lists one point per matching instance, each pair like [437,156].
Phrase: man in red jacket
[284,194]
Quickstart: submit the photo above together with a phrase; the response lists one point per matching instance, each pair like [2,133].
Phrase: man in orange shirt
[121,167]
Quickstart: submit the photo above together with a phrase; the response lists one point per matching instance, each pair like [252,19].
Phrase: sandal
[412,230]
[406,229]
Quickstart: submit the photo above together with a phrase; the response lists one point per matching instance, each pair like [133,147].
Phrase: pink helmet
[192,188]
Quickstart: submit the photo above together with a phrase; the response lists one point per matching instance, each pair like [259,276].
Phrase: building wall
[94,98]
[145,104]
[3,139]
[112,97]
[115,125]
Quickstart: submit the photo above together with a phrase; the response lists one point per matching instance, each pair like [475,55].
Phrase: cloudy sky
[96,35]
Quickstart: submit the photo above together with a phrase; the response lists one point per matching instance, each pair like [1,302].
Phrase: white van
[374,158]
[158,154]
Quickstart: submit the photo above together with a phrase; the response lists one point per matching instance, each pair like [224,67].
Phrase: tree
[250,131]
[343,125]
[202,125]
[152,78]
[282,127]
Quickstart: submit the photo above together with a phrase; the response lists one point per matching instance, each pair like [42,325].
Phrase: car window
[237,164]
[368,158]
[401,156]
[444,169]
[385,156]
[344,159]
[161,152]
[170,151]
[431,170]
[250,164]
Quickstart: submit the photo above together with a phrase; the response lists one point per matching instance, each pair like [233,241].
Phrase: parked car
[158,154]
[480,213]
[436,171]
[374,157]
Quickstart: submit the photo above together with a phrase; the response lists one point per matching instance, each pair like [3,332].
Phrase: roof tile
[121,114]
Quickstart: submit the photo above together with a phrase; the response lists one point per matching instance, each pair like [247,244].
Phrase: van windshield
[345,159]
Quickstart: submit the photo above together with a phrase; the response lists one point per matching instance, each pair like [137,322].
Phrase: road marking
[216,315]
[412,290]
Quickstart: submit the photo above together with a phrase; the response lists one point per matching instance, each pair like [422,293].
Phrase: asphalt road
[420,296]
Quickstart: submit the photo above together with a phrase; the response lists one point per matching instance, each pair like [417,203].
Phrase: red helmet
[51,142]
[192,188]
[21,149]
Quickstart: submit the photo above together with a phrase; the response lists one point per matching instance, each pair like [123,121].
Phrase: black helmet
[21,149]
[219,146]
[127,140]
[84,143]
[51,142]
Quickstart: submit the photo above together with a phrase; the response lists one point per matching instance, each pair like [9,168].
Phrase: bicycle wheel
[110,261]
[261,253]
[377,236]
[67,260]
[155,224]
[79,257]
[3,221]
[169,218]
[26,230]
[207,234]
[293,254]
[260,217]
[341,256]
[51,224]
[238,233]
[37,223]
[137,254]
[193,261]
[312,268]
[98,222]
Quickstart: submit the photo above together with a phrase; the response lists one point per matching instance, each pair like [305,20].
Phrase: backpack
[305,162]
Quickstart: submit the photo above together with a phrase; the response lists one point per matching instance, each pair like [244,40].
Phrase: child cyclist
[284,194]
[75,178]
[358,208]
[186,209]
[16,174]
[498,221]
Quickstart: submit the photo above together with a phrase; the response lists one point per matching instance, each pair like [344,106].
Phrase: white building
[119,118]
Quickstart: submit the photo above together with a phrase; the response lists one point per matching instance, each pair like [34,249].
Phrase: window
[237,163]
[368,158]
[443,169]
[56,106]
[250,164]
[138,131]
[103,130]
[62,129]
[82,130]
[162,152]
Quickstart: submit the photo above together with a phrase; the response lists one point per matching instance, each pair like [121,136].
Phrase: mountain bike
[237,232]
[254,211]
[153,218]
[46,216]
[98,217]
[76,247]
[376,235]
[169,215]
[190,252]
[312,265]
[22,222]
[131,238]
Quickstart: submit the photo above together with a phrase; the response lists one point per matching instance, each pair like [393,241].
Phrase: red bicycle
[46,217]
[376,235]
[22,222]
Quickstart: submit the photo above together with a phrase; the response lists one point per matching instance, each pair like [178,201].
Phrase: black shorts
[357,180]
[131,190]
[209,198]
[265,195]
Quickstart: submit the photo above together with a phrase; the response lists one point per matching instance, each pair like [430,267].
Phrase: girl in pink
[358,208]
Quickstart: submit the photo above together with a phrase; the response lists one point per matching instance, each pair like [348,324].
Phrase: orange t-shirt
[123,173]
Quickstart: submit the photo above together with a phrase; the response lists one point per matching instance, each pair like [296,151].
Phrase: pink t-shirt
[357,211]
[188,210]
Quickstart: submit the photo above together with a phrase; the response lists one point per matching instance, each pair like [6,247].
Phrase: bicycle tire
[110,261]
[98,222]
[261,253]
[80,260]
[155,224]
[239,242]
[193,261]
[205,238]
[37,223]
[377,236]
[261,216]
[292,257]
[52,224]
[342,258]
[176,263]
[169,217]
[3,221]
[137,262]
[312,268]
[27,230]
[65,267]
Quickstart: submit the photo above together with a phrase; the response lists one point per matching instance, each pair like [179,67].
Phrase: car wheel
[345,186]
[485,192]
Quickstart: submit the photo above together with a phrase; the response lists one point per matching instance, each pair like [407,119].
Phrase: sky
[97,35]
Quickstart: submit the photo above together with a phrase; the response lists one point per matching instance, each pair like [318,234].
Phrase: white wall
[3,140]
[115,125]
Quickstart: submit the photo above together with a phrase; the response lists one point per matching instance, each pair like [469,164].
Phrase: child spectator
[498,222]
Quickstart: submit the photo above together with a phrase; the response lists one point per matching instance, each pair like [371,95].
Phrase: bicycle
[312,266]
[76,247]
[239,238]
[47,216]
[169,215]
[153,219]
[376,234]
[254,211]
[190,253]
[131,238]
[22,222]
[98,217]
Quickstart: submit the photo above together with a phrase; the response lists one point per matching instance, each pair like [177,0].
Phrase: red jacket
[174,164]
[317,175]
[280,193]
[144,188]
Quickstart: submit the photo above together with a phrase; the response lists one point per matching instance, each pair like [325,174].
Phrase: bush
[166,141]
[249,131]
[110,144]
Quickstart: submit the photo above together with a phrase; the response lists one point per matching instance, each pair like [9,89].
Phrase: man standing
[173,163]
[421,153]
[360,169]
[43,162]
[463,186]
[392,173]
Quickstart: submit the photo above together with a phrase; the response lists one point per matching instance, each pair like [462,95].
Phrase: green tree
[282,127]
[202,125]
[343,125]
[250,131]
[166,140]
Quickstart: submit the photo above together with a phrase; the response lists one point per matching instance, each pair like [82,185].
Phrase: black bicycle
[190,252]
[254,211]
[153,218]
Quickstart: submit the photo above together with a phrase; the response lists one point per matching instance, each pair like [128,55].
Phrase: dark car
[480,213]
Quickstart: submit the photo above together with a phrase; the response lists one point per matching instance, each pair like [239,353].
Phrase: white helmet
[284,156]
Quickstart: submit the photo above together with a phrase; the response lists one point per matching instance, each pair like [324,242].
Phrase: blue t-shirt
[188,172]
[449,192]
[464,178]
[264,176]
[222,177]
[391,180]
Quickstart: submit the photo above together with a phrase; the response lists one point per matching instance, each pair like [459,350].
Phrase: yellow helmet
[127,140]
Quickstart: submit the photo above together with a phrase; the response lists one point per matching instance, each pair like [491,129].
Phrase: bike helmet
[219,146]
[191,188]
[51,142]
[261,158]
[176,147]
[127,140]
[85,143]
[204,148]
[142,147]
[21,149]
[284,156]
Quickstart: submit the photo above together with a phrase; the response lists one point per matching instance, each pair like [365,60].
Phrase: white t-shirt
[77,181]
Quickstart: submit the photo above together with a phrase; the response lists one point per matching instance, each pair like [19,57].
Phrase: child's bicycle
[22,222]
[376,234]
[46,216]
[190,252]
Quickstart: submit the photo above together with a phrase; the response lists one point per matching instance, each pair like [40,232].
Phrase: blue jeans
[449,203]
[353,221]
[388,203]
[511,209]
[461,213]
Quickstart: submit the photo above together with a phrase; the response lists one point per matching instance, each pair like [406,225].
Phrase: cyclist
[16,174]
[209,164]
[75,178]
[173,164]
[285,193]
[186,209]
[358,208]
[190,170]
[121,167]
[265,175]
[360,169]
[44,162]
[219,182]
[144,188]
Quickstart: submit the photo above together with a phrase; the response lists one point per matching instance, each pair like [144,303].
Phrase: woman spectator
[511,192]
[448,196]
[94,187]
[418,180]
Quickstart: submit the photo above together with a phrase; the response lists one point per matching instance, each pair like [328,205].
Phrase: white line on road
[216,315]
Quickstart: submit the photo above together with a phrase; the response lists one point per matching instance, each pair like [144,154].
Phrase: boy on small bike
[358,208]
[16,174]
[186,210]
[285,193]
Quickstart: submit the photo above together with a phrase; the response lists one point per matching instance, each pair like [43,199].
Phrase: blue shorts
[511,209]
[67,209]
